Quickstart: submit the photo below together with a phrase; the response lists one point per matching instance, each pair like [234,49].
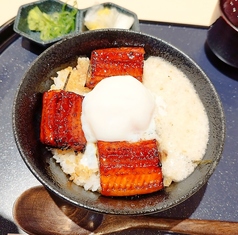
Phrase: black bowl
[27,113]
[222,39]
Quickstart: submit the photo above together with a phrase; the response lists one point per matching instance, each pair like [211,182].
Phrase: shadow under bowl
[27,114]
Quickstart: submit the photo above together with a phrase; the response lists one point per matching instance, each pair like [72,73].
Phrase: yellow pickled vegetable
[100,17]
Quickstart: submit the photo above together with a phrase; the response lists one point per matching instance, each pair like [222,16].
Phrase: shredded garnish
[52,25]
[199,162]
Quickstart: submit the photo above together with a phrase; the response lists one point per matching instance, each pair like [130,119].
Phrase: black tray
[217,200]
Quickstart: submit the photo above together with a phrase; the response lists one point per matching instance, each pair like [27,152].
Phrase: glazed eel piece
[61,125]
[115,61]
[129,168]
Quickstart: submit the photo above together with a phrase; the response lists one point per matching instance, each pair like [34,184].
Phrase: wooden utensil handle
[186,226]
[199,227]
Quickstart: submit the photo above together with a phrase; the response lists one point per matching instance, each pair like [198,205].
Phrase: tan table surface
[192,12]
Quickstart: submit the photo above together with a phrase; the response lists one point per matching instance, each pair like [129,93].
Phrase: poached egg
[119,108]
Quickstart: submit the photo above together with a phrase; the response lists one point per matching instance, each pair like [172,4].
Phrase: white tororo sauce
[182,125]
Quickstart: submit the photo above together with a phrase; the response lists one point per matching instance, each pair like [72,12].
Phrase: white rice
[181,124]
[82,168]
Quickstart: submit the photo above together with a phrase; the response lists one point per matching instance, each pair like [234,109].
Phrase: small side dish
[52,25]
[47,21]
[101,17]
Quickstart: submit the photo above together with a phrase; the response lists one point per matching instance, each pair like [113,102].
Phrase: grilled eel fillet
[115,61]
[129,168]
[61,125]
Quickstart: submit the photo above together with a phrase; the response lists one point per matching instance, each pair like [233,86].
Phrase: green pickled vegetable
[52,25]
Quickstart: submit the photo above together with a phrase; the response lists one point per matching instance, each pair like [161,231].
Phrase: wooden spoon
[38,212]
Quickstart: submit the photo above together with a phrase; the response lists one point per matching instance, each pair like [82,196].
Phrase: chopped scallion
[52,25]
